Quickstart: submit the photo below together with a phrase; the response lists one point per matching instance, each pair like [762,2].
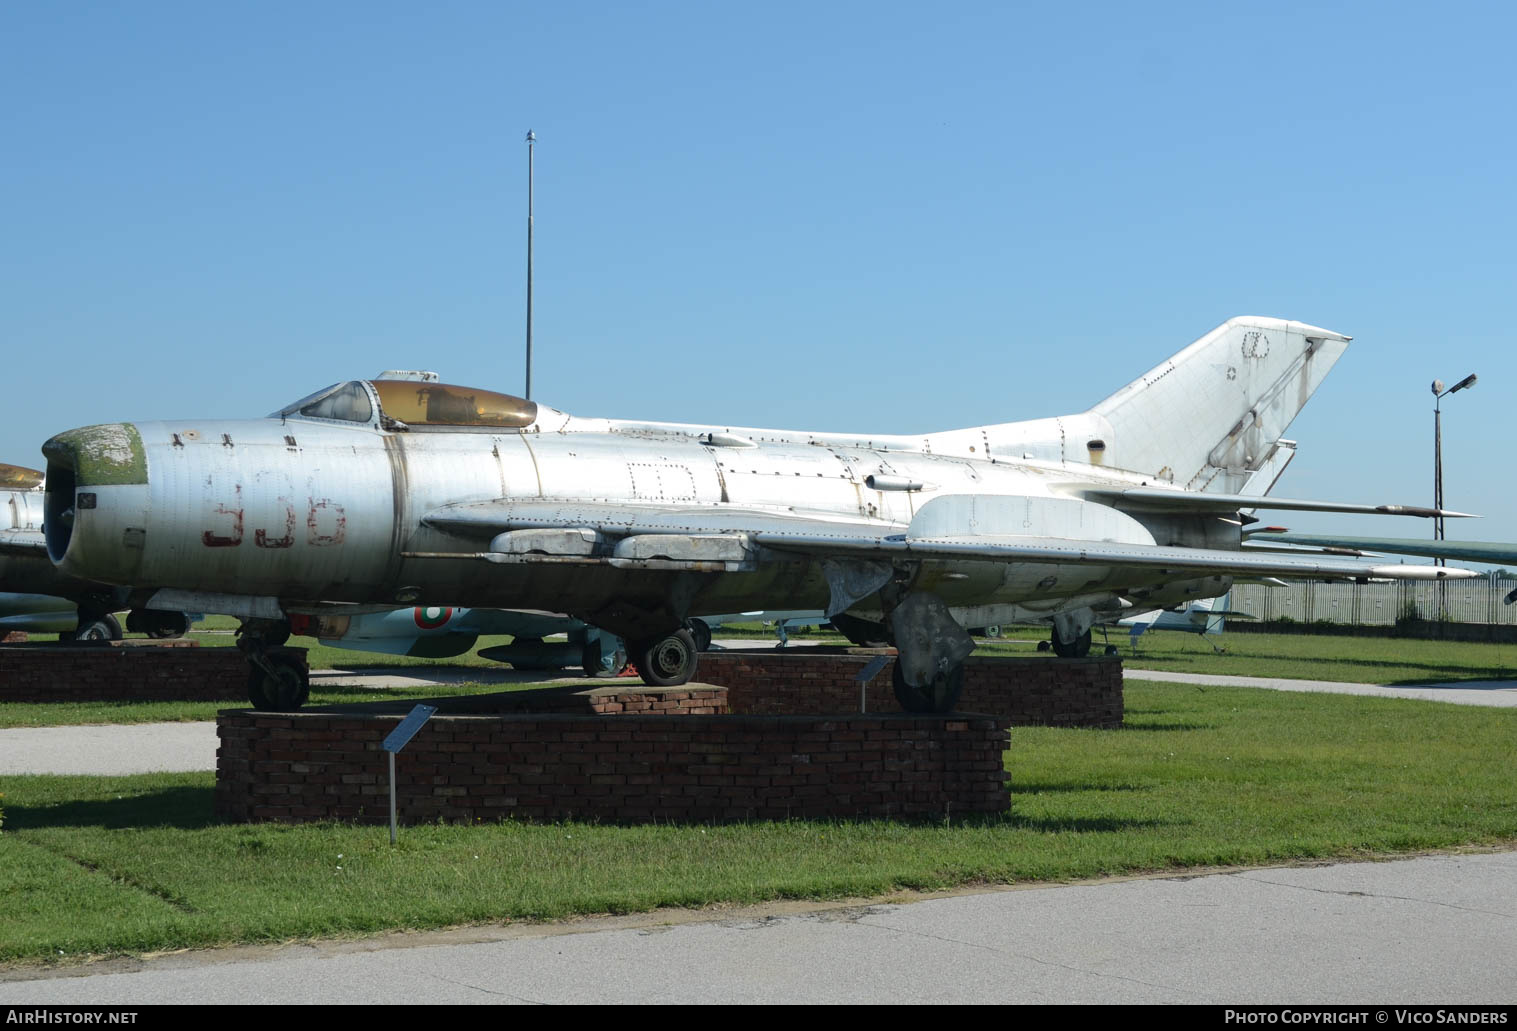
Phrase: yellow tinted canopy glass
[16,477]
[442,404]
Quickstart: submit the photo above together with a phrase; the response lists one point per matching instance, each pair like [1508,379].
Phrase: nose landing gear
[277,681]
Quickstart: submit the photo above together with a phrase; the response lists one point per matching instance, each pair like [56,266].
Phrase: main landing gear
[665,661]
[1075,649]
[94,626]
[277,681]
[930,651]
[940,694]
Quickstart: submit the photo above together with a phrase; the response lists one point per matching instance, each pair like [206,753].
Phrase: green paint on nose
[100,455]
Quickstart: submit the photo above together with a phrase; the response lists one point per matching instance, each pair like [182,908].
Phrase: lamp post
[1438,395]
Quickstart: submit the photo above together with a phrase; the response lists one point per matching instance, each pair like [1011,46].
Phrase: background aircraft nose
[96,501]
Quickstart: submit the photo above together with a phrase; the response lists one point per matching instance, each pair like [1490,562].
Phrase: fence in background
[1378,604]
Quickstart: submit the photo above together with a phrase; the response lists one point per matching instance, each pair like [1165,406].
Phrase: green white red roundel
[432,617]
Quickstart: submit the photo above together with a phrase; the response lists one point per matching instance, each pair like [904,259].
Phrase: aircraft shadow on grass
[184,808]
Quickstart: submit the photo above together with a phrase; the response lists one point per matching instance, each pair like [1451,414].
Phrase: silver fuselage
[312,511]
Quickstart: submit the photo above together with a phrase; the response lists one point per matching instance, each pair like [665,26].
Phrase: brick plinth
[631,767]
[138,671]
[1031,691]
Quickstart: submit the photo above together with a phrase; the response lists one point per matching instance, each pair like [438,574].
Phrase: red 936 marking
[326,525]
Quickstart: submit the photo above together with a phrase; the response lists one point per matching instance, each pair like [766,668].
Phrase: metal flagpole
[531,139]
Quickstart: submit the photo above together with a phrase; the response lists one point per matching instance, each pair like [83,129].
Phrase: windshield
[345,402]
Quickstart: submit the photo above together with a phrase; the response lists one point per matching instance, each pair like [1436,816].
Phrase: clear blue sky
[872,216]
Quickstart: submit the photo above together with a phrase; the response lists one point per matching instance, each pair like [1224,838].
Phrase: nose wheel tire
[666,661]
[941,695]
[283,688]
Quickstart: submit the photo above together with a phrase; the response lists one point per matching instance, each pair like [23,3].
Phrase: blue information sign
[408,727]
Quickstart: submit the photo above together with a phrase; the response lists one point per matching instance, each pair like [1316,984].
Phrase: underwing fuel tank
[271,508]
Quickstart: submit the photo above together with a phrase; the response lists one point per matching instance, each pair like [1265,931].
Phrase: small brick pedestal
[1031,691]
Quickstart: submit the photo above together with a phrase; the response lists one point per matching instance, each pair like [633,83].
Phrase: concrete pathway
[1435,929]
[109,751]
[1497,693]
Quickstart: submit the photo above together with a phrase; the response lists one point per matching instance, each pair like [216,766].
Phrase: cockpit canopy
[18,477]
[408,403]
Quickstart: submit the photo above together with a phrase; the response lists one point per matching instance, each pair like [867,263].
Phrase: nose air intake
[58,508]
[83,466]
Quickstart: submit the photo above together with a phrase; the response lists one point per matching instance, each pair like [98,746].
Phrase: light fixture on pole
[1439,393]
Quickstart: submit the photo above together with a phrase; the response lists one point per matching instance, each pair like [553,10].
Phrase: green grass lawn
[1200,777]
[1364,660]
[1348,659]
[70,714]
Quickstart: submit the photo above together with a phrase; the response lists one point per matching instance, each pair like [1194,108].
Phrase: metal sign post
[398,739]
[866,675]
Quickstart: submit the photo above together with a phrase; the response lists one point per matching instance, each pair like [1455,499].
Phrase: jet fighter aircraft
[376,493]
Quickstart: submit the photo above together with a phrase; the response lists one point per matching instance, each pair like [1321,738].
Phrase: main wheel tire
[1075,649]
[97,628]
[701,632]
[284,690]
[666,661]
[937,697]
[595,663]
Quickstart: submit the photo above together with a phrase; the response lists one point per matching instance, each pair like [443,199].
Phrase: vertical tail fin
[1212,416]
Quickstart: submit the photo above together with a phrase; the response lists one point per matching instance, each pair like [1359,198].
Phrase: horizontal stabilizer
[1463,551]
[1162,559]
[1154,498]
